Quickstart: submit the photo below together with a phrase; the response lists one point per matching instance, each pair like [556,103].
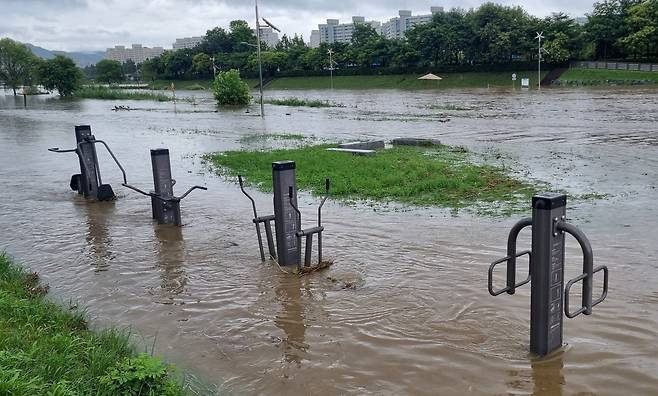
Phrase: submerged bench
[353,151]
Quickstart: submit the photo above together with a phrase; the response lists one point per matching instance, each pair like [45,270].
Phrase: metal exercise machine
[287,219]
[165,206]
[89,182]
[549,298]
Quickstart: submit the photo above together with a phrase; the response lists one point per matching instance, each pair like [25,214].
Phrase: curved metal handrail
[511,257]
[253,205]
[588,273]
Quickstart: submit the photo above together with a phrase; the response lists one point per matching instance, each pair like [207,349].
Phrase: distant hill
[82,59]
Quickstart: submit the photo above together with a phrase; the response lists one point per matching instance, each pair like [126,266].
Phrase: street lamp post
[331,66]
[260,66]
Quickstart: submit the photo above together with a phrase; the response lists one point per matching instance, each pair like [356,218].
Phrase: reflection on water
[547,375]
[170,261]
[98,215]
[404,309]
[290,318]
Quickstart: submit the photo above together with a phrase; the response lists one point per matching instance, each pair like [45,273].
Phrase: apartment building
[269,36]
[397,27]
[314,41]
[187,42]
[333,31]
[137,53]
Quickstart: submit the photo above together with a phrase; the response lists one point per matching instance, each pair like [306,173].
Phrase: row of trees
[20,68]
[491,34]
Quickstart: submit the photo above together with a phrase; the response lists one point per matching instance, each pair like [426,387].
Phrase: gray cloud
[98,24]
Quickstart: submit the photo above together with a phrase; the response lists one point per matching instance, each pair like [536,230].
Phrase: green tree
[229,89]
[202,65]
[60,73]
[16,64]
[129,67]
[109,71]
[216,41]
[564,38]
[177,64]
[642,39]
[151,69]
[242,33]
[607,24]
[362,34]
[271,61]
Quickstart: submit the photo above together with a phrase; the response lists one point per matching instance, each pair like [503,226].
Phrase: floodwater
[405,308]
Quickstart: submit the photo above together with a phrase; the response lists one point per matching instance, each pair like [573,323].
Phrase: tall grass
[438,176]
[47,350]
[298,102]
[99,92]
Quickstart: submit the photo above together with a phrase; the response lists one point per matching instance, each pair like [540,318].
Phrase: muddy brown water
[405,308]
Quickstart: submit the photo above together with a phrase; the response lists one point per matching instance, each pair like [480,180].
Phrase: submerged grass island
[439,175]
[101,92]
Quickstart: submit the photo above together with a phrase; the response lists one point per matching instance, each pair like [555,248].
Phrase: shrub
[230,89]
[140,376]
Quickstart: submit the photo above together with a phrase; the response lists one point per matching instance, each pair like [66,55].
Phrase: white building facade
[269,36]
[315,39]
[187,42]
[335,32]
[397,27]
[137,53]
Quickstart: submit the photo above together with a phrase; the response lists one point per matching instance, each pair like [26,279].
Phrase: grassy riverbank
[48,350]
[405,81]
[98,92]
[193,85]
[438,176]
[604,77]
[408,81]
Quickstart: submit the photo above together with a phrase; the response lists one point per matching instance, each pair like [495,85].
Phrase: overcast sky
[74,25]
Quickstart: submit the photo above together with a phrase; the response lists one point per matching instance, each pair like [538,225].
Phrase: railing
[608,65]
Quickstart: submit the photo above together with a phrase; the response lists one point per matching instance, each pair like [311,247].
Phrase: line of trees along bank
[491,35]
[490,38]
[20,68]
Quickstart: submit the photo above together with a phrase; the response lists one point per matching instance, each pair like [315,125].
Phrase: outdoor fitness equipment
[165,206]
[287,219]
[546,271]
[88,182]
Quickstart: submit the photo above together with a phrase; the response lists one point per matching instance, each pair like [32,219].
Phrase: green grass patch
[298,102]
[439,176]
[407,81]
[99,92]
[587,76]
[48,350]
[263,137]
[187,85]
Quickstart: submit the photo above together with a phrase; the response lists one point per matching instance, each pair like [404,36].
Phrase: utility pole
[331,66]
[214,68]
[539,51]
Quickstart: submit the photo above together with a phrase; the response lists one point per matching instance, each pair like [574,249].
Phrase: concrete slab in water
[353,151]
[369,145]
